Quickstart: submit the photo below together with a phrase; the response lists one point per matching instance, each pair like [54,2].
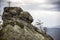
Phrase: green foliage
[4,25]
[1,34]
[2,39]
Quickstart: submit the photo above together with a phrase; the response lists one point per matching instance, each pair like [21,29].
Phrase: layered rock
[17,26]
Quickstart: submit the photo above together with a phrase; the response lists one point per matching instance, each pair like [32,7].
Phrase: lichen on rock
[17,26]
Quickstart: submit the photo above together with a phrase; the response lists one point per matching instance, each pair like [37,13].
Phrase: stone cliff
[17,26]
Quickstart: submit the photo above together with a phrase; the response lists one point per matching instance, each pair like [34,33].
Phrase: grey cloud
[3,0]
[0,0]
[55,2]
[37,7]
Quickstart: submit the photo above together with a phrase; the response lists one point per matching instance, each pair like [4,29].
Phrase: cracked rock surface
[17,26]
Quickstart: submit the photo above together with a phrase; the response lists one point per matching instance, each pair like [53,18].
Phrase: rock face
[17,26]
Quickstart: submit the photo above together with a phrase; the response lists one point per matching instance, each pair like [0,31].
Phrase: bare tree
[39,23]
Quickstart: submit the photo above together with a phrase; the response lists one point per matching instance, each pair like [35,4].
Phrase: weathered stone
[17,26]
[26,17]
[12,13]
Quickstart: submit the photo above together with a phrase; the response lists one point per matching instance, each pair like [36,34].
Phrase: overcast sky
[48,11]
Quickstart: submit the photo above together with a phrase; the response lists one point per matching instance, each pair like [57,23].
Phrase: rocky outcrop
[17,26]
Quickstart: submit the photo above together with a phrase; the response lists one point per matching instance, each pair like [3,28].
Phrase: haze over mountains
[58,26]
[54,32]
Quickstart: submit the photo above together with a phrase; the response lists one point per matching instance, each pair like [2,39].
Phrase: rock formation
[17,26]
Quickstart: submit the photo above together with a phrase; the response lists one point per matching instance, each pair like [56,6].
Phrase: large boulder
[17,26]
[26,17]
[12,13]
